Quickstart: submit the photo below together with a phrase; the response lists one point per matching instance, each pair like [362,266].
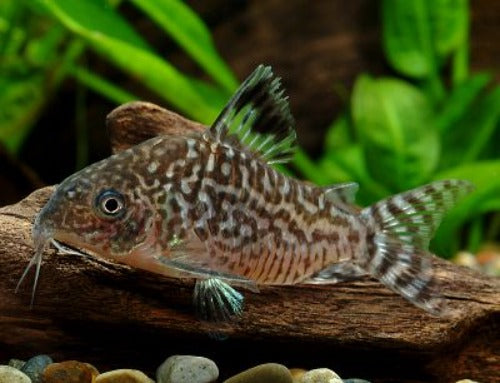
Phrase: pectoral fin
[215,301]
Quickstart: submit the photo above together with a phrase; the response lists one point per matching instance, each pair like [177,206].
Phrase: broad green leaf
[472,134]
[339,134]
[185,27]
[348,164]
[449,23]
[147,67]
[485,175]
[419,34]
[393,120]
[407,37]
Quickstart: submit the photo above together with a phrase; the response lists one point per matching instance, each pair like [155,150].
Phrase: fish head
[113,209]
[103,210]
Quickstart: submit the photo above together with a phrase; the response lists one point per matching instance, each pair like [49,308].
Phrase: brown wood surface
[83,305]
[114,316]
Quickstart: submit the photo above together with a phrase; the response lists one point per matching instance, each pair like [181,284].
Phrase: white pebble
[187,369]
[320,375]
[10,374]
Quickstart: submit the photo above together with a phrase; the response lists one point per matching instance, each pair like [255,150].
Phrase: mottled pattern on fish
[208,205]
[256,222]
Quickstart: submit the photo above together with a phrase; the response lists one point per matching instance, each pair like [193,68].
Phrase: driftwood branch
[115,316]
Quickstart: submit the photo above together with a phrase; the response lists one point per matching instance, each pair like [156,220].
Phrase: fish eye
[110,203]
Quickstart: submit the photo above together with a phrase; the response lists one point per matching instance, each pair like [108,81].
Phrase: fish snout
[44,225]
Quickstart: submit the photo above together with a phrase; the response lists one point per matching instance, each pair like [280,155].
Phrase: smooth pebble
[35,366]
[123,376]
[16,363]
[320,375]
[70,371]
[466,381]
[264,373]
[9,374]
[187,369]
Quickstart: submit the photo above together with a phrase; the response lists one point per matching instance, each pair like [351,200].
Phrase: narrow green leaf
[488,118]
[485,176]
[151,70]
[101,85]
[21,100]
[98,17]
[393,121]
[459,101]
[308,168]
[475,235]
[460,62]
[189,31]
[471,136]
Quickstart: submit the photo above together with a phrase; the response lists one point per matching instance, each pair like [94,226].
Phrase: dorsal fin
[259,116]
[343,192]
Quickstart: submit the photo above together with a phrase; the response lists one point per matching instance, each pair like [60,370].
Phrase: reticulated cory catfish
[208,205]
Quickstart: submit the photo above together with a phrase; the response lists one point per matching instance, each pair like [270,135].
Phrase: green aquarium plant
[33,64]
[433,121]
[41,41]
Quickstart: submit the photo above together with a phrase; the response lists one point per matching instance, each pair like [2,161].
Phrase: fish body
[209,205]
[234,212]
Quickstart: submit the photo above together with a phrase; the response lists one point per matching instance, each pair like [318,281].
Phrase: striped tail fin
[402,227]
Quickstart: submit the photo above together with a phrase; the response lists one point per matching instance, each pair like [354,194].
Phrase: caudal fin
[402,228]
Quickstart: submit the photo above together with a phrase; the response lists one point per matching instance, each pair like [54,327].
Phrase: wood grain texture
[81,302]
[138,121]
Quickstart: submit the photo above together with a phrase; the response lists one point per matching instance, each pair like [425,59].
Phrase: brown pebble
[264,373]
[70,371]
[123,376]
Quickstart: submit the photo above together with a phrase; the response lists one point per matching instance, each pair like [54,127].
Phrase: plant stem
[82,139]
[475,236]
[460,59]
[101,85]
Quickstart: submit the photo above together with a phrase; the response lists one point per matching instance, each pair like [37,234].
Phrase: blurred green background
[383,91]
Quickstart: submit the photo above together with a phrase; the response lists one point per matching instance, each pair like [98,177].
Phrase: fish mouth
[42,239]
[44,234]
